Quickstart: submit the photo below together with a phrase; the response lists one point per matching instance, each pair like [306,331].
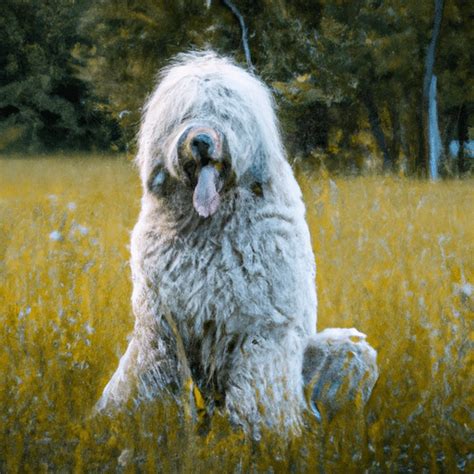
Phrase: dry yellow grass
[395,260]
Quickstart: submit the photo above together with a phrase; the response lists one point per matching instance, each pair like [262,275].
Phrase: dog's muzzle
[201,153]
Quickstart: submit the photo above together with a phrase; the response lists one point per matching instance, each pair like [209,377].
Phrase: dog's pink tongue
[206,198]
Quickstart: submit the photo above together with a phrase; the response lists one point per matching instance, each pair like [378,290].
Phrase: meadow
[394,259]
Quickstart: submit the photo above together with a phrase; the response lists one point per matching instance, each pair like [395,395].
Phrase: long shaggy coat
[222,266]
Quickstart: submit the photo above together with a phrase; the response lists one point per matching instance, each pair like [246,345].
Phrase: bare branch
[243,28]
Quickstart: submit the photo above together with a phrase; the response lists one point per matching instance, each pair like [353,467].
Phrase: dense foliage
[348,75]
[44,103]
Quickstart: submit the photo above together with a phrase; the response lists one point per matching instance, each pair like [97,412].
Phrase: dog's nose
[203,147]
[202,143]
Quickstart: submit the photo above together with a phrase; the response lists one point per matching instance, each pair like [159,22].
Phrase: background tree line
[351,77]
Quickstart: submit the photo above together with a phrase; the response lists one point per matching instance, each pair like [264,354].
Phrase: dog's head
[207,127]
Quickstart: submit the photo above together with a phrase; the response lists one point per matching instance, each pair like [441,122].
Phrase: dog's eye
[157,181]
[190,169]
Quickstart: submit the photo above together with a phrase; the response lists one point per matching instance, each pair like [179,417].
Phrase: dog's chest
[246,273]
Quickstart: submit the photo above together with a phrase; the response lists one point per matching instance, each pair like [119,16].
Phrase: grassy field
[395,260]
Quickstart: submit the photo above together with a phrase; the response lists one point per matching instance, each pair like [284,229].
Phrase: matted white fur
[229,299]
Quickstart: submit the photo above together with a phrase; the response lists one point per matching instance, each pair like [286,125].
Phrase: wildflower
[82,229]
[89,329]
[56,236]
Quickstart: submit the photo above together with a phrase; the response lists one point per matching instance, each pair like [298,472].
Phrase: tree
[348,73]
[132,40]
[43,104]
[456,90]
[349,77]
[429,148]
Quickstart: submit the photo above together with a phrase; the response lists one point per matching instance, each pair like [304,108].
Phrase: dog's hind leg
[339,371]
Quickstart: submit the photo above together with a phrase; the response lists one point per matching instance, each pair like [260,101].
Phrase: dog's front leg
[118,390]
[263,386]
[153,364]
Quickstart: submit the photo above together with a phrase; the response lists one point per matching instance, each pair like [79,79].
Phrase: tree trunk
[425,151]
[376,128]
[243,28]
[448,163]
[396,141]
[463,137]
[433,132]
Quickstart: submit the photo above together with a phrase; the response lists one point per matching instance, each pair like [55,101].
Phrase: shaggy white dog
[223,270]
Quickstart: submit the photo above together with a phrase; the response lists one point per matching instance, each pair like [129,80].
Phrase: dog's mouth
[205,167]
